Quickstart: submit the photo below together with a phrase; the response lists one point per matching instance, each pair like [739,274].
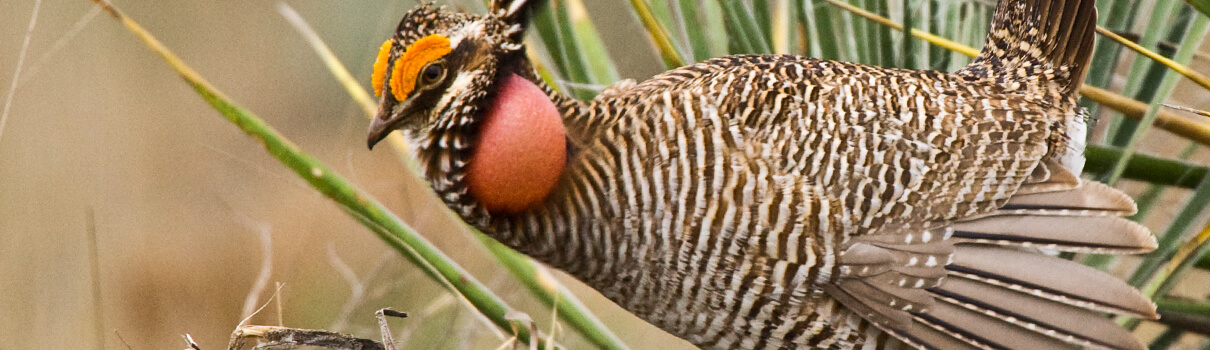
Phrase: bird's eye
[433,73]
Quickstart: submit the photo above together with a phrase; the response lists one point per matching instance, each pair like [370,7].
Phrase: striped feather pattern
[784,202]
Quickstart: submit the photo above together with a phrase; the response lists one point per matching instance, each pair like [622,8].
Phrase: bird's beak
[380,127]
[385,121]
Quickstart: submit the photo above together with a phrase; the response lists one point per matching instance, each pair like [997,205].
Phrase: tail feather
[1091,195]
[999,290]
[1086,327]
[1048,277]
[988,331]
[1030,36]
[1061,230]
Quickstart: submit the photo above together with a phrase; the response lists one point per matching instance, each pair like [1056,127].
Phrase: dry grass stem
[12,89]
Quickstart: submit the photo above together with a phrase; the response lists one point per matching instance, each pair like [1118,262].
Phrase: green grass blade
[1167,172]
[658,34]
[1188,46]
[1144,79]
[1171,238]
[747,37]
[1150,198]
[823,36]
[910,50]
[1202,6]
[699,43]
[554,26]
[886,44]
[600,66]
[545,23]
[762,18]
[1166,339]
[1195,315]
[1189,254]
[861,31]
[954,28]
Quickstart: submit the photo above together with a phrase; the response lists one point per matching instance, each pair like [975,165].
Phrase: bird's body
[722,204]
[773,202]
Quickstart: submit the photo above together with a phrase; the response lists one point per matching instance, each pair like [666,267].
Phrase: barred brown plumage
[777,201]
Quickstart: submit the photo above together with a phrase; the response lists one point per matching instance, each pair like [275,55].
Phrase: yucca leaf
[1202,6]
[1171,238]
[886,44]
[1184,314]
[762,18]
[908,42]
[1142,86]
[1197,31]
[600,66]
[823,38]
[658,34]
[1188,255]
[544,22]
[699,43]
[1141,167]
[746,35]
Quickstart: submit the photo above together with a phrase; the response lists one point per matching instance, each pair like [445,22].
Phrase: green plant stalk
[1188,255]
[545,23]
[1173,64]
[1197,31]
[594,54]
[658,34]
[1150,198]
[763,19]
[358,204]
[963,10]
[886,54]
[908,43]
[939,56]
[699,44]
[861,32]
[1120,129]
[1142,86]
[576,63]
[555,30]
[1202,6]
[1159,171]
[747,37]
[1185,315]
[824,35]
[1170,240]
[1165,339]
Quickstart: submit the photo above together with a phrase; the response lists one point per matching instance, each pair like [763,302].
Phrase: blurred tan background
[102,135]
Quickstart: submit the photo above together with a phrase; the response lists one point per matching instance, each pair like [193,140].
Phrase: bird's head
[487,137]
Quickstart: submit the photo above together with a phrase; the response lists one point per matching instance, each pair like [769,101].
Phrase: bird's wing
[984,282]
